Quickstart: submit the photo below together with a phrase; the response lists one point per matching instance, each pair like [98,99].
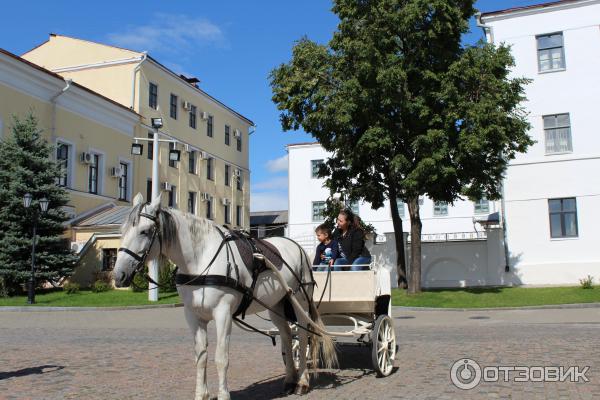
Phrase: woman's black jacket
[352,244]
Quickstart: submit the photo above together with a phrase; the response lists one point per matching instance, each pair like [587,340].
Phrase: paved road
[146,354]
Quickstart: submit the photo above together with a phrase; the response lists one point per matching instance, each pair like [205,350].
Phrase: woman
[351,242]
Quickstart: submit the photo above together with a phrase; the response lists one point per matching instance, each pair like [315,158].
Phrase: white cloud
[276,183]
[277,165]
[268,201]
[172,33]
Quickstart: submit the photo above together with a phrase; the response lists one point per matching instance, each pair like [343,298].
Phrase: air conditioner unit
[166,186]
[204,115]
[187,105]
[116,172]
[86,158]
[237,133]
[238,172]
[203,155]
[225,201]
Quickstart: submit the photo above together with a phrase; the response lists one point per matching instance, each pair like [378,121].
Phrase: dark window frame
[227,135]
[123,182]
[173,106]
[210,165]
[93,174]
[192,162]
[193,117]
[172,164]
[562,214]
[541,49]
[238,215]
[210,126]
[173,197]
[153,95]
[109,259]
[191,206]
[63,149]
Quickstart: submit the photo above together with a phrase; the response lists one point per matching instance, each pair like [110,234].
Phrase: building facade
[552,193]
[212,177]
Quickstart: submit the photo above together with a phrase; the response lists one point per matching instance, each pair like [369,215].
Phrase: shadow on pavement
[42,369]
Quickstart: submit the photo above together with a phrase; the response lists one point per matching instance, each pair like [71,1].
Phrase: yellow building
[92,101]
[212,178]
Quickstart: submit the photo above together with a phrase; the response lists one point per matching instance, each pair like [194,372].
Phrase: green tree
[26,167]
[405,108]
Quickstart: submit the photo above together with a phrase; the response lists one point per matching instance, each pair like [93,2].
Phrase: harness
[204,279]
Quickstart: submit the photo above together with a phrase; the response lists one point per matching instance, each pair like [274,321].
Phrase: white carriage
[360,301]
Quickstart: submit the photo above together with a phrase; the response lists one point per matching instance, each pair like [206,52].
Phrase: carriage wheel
[383,344]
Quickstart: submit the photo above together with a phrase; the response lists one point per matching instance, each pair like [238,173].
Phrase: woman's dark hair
[350,217]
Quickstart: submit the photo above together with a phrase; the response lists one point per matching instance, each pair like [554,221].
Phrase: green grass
[87,298]
[495,297]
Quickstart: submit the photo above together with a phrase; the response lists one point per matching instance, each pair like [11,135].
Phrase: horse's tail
[322,346]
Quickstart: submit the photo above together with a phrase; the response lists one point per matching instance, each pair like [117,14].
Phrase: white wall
[535,177]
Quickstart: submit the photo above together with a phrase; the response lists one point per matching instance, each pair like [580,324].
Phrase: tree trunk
[399,238]
[414,279]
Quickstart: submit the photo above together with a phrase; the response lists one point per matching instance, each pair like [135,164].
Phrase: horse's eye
[145,233]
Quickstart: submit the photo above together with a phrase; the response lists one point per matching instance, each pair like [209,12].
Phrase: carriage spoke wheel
[383,342]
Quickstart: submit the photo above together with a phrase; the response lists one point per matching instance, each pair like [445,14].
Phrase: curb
[542,307]
[42,308]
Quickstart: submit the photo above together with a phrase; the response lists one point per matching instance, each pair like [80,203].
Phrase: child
[327,250]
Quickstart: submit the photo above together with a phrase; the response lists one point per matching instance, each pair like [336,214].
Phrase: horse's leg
[198,328]
[285,332]
[223,320]
[304,381]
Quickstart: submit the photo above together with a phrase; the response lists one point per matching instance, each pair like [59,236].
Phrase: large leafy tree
[26,167]
[404,108]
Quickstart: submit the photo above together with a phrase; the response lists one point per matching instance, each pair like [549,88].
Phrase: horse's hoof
[289,388]
[301,389]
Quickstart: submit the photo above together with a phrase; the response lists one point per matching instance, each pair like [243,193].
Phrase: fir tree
[26,167]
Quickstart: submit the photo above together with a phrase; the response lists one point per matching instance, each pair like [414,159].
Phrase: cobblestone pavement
[147,354]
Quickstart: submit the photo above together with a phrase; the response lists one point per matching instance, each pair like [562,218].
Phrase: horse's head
[139,240]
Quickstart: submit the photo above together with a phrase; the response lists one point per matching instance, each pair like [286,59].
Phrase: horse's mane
[198,226]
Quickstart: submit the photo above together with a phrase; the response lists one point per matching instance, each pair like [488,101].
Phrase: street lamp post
[174,155]
[44,202]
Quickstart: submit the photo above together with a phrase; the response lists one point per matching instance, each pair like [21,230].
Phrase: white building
[307,198]
[552,193]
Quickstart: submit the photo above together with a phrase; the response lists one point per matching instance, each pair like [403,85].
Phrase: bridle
[141,259]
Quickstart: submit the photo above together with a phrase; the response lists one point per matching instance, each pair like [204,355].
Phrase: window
[192,162]
[93,174]
[173,106]
[551,52]
[315,165]
[557,131]
[150,146]
[317,211]
[440,208]
[400,206]
[193,112]
[209,126]
[153,98]
[109,258]
[482,206]
[209,168]
[62,159]
[209,203]
[173,197]
[149,190]
[123,181]
[191,203]
[239,142]
[172,163]
[227,134]
[238,215]
[240,180]
[227,175]
[227,211]
[563,217]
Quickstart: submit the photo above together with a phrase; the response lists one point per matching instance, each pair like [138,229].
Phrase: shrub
[139,283]
[4,292]
[100,286]
[71,288]
[587,283]
[166,278]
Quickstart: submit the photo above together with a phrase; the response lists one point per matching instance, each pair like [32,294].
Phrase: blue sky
[231,46]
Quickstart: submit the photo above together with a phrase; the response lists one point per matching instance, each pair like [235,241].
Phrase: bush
[3,289]
[166,278]
[587,283]
[101,286]
[71,288]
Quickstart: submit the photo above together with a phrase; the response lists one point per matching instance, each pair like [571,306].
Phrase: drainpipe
[137,68]
[487,29]
[53,102]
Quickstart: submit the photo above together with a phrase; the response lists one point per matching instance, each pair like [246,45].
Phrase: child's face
[322,237]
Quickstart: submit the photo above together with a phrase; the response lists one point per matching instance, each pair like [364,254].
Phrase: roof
[177,76]
[530,7]
[112,216]
[62,79]
[269,218]
[301,144]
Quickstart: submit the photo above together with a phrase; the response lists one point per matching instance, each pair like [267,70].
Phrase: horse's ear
[138,199]
[155,204]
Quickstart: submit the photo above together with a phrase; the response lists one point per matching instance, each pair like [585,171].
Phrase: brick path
[146,354]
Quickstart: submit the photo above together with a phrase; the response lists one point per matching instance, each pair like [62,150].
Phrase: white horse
[191,243]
